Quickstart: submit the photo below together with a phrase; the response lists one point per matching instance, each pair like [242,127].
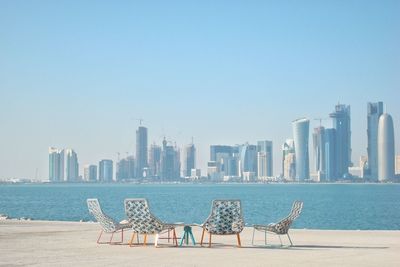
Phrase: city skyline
[231,73]
[312,158]
[331,153]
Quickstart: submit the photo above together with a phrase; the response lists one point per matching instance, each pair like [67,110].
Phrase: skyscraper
[248,159]
[141,150]
[170,163]
[288,160]
[90,173]
[106,170]
[375,110]
[397,164]
[155,160]
[266,148]
[385,148]
[262,165]
[226,160]
[341,123]
[72,165]
[300,135]
[189,160]
[56,164]
[125,169]
[215,149]
[319,152]
[330,155]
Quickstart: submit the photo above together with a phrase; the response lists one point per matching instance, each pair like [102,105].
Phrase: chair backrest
[139,215]
[296,210]
[226,216]
[105,221]
[284,225]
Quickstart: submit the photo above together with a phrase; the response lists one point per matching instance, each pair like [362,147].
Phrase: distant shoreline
[191,183]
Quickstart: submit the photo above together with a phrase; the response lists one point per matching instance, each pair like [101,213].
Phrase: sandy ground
[41,243]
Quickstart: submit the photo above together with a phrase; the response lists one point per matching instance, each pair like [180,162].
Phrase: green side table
[187,231]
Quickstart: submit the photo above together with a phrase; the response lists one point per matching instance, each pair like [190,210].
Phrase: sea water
[326,206]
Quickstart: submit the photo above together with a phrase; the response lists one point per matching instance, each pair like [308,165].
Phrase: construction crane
[320,120]
[140,120]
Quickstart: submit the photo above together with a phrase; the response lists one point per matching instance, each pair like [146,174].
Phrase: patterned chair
[108,224]
[226,218]
[282,227]
[144,222]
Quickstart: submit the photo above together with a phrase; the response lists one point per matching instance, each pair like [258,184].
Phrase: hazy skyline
[78,74]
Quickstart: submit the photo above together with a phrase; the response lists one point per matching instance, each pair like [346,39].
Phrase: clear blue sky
[76,73]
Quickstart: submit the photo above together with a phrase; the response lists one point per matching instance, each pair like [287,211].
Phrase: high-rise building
[266,148]
[155,160]
[90,173]
[300,135]
[248,159]
[288,160]
[56,164]
[398,164]
[341,123]
[170,163]
[385,148]
[363,166]
[189,161]
[222,149]
[106,170]
[212,171]
[226,159]
[330,157]
[319,152]
[141,150]
[375,110]
[72,165]
[126,169]
[262,165]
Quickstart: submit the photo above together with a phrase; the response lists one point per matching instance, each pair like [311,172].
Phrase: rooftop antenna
[192,140]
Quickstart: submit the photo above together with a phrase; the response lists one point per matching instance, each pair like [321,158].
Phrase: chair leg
[133,236]
[175,238]
[145,240]
[265,237]
[252,239]
[183,238]
[112,235]
[291,244]
[98,239]
[156,240]
[238,240]
[280,239]
[209,241]
[169,235]
[192,237]
[202,237]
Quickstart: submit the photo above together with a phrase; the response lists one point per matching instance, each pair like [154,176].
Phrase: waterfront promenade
[43,243]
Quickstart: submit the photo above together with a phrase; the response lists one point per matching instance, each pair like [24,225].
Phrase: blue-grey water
[326,206]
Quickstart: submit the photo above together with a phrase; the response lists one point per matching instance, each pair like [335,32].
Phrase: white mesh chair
[144,222]
[282,227]
[226,218]
[108,224]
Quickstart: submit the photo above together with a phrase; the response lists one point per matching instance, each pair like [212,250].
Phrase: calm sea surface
[326,206]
